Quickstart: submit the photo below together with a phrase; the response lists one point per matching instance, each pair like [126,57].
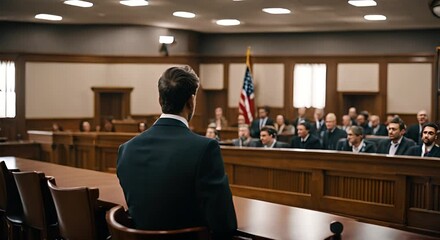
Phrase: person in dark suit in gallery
[262,120]
[378,129]
[301,117]
[397,144]
[332,134]
[414,131]
[305,140]
[244,138]
[173,178]
[319,127]
[362,120]
[428,148]
[352,112]
[346,123]
[355,142]
[268,138]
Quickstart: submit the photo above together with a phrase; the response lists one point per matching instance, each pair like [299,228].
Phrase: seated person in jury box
[268,138]
[84,126]
[332,134]
[355,142]
[304,139]
[173,178]
[212,133]
[262,120]
[219,121]
[414,131]
[244,138]
[397,144]
[378,129]
[428,148]
[282,126]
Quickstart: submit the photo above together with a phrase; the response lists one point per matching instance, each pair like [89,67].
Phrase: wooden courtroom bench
[399,190]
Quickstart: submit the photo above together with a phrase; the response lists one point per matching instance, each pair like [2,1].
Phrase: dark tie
[426,152]
[303,143]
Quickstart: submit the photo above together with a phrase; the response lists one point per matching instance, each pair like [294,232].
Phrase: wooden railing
[401,191]
[396,191]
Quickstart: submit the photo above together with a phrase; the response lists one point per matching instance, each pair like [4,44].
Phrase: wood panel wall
[209,100]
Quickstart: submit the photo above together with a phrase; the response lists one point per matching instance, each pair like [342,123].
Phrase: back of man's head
[176,86]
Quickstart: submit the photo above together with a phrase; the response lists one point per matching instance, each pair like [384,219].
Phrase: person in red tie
[428,148]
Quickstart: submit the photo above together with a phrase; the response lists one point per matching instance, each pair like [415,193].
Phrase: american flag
[246,105]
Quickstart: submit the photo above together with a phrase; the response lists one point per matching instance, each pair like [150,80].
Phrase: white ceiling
[306,16]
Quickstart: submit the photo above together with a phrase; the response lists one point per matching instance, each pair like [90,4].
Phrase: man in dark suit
[414,131]
[355,142]
[301,117]
[173,178]
[362,120]
[244,138]
[428,148]
[378,129]
[332,134]
[268,138]
[318,128]
[397,143]
[262,120]
[305,140]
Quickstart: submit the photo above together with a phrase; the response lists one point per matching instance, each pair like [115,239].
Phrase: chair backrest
[3,192]
[76,211]
[122,228]
[38,207]
[10,200]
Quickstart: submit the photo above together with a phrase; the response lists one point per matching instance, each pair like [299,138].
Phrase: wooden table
[256,218]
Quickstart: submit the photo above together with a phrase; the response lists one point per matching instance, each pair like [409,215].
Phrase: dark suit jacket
[417,151]
[253,142]
[330,139]
[279,144]
[255,127]
[311,143]
[413,132]
[369,147]
[173,178]
[402,149]
[382,131]
[319,133]
[367,129]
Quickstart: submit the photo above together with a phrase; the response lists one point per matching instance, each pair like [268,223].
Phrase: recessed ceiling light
[228,22]
[362,3]
[166,39]
[49,17]
[375,17]
[184,14]
[78,3]
[134,3]
[276,10]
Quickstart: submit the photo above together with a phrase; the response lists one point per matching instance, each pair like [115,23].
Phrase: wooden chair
[80,214]
[38,207]
[10,206]
[122,228]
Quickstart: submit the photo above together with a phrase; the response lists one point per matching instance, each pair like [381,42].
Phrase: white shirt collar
[271,146]
[305,139]
[177,117]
